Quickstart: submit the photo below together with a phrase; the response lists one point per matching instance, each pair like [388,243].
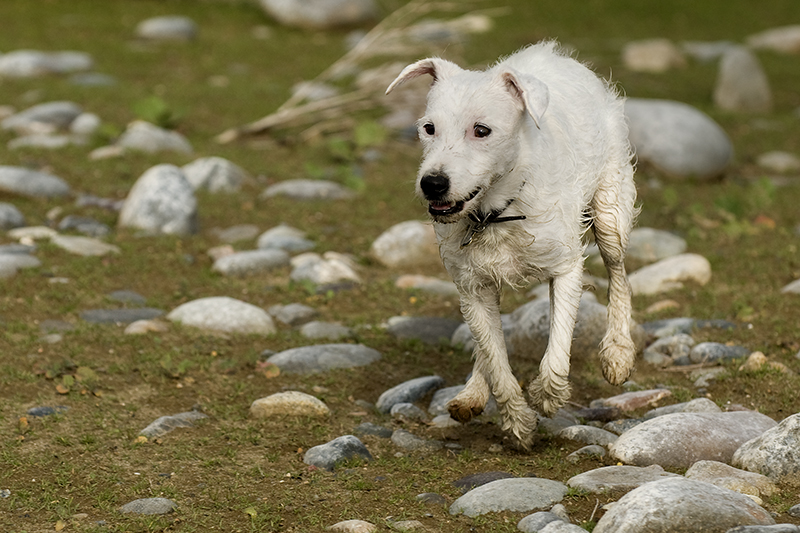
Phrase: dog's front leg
[481,309]
[551,389]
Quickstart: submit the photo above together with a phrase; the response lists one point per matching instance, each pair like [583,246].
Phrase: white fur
[558,147]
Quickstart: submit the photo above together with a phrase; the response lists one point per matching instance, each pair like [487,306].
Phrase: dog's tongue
[441,206]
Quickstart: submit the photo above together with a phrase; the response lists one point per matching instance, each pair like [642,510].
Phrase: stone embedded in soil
[471,481]
[285,238]
[792,288]
[239,232]
[222,313]
[707,352]
[649,245]
[683,505]
[427,284]
[250,262]
[618,427]
[407,244]
[322,357]
[368,428]
[698,405]
[430,330]
[86,225]
[592,451]
[561,527]
[534,523]
[328,269]
[161,201]
[670,273]
[141,327]
[293,314]
[32,183]
[408,411]
[617,478]
[289,403]
[214,174]
[84,246]
[728,477]
[10,216]
[587,435]
[408,391]
[47,411]
[149,506]
[431,498]
[679,440]
[146,137]
[306,189]
[167,28]
[328,455]
[409,441]
[775,453]
[120,316]
[127,297]
[325,330]
[353,526]
[630,401]
[516,495]
[163,425]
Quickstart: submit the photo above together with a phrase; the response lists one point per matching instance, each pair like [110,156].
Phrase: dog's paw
[546,398]
[462,411]
[617,361]
[521,421]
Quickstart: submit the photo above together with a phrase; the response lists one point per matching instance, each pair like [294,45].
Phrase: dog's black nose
[434,186]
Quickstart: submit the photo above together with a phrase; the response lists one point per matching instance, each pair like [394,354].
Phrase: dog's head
[471,134]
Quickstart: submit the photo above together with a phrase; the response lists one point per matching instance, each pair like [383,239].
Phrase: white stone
[784,39]
[327,269]
[742,84]
[407,244]
[677,139]
[353,526]
[652,55]
[27,182]
[777,161]
[670,273]
[289,403]
[167,28]
[221,313]
[304,189]
[215,174]
[510,494]
[30,63]
[43,118]
[32,233]
[161,201]
[146,137]
[648,245]
[427,284]
[250,262]
[792,288]
[320,14]
[85,246]
[85,124]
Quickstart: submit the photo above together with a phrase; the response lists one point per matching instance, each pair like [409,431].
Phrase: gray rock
[785,39]
[85,246]
[46,410]
[617,478]
[325,330]
[562,419]
[214,174]
[408,391]
[534,523]
[462,336]
[92,79]
[127,297]
[698,405]
[330,268]
[742,84]
[530,330]
[677,139]
[707,352]
[303,189]
[427,284]
[670,273]
[320,14]
[670,348]
[649,245]
[146,137]
[774,453]
[431,498]
[120,316]
[794,511]
[561,527]
[163,425]
[85,125]
[10,216]
[407,410]
[618,427]
[239,232]
[293,314]
[681,439]
[728,477]
[674,326]
[633,400]
[777,528]
[221,313]
[354,526]
[44,140]
[407,244]
[26,182]
[328,455]
[516,495]
[43,118]
[467,483]
[409,441]
[441,398]
[322,357]
[289,403]
[286,238]
[250,262]
[706,51]
[86,225]
[32,63]
[149,506]
[587,435]
[11,263]
[167,28]
[592,451]
[683,505]
[430,330]
[161,201]
[368,428]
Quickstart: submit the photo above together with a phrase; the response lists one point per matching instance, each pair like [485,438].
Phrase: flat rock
[85,246]
[161,201]
[163,425]
[536,522]
[678,139]
[617,478]
[13,262]
[650,245]
[680,504]
[778,161]
[408,391]
[679,440]
[592,450]
[328,455]
[587,435]
[142,327]
[32,183]
[407,244]
[289,403]
[408,441]
[430,330]
[304,189]
[293,314]
[120,316]
[467,483]
[146,137]
[516,495]
[239,232]
[86,225]
[221,313]
[409,411]
[250,262]
[774,453]
[286,238]
[630,401]
[10,216]
[167,28]
[652,55]
[320,14]
[326,269]
[214,174]
[742,84]
[325,330]
[666,349]
[127,297]
[354,526]
[731,478]
[149,506]
[785,39]
[44,118]
[322,357]
[670,273]
[34,63]
[698,405]
[707,352]
[368,428]
[427,284]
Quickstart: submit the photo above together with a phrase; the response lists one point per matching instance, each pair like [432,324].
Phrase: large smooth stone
[328,455]
[408,392]
[617,477]
[518,495]
[221,313]
[407,244]
[731,478]
[677,139]
[775,453]
[670,273]
[681,505]
[165,424]
[679,440]
[320,14]
[214,174]
[161,201]
[322,357]
[149,506]
[742,84]
[289,403]
[146,137]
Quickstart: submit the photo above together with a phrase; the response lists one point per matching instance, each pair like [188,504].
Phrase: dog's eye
[482,131]
[429,128]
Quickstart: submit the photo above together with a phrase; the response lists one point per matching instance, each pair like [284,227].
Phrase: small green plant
[154,109]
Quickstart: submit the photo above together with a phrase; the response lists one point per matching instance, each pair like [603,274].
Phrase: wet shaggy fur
[519,160]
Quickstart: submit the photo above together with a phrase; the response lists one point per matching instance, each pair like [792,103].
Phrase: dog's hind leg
[491,372]
[613,212]
[551,390]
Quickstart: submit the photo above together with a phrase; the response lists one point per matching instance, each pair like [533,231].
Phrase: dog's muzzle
[435,188]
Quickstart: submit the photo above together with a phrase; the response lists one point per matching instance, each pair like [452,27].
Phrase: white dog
[519,161]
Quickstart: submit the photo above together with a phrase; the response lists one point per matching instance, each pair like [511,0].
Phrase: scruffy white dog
[519,161]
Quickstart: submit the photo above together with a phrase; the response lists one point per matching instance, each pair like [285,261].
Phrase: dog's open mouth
[442,209]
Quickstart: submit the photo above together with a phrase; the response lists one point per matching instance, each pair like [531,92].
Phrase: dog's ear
[530,91]
[436,67]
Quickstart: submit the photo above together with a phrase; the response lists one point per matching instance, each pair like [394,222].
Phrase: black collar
[479,221]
